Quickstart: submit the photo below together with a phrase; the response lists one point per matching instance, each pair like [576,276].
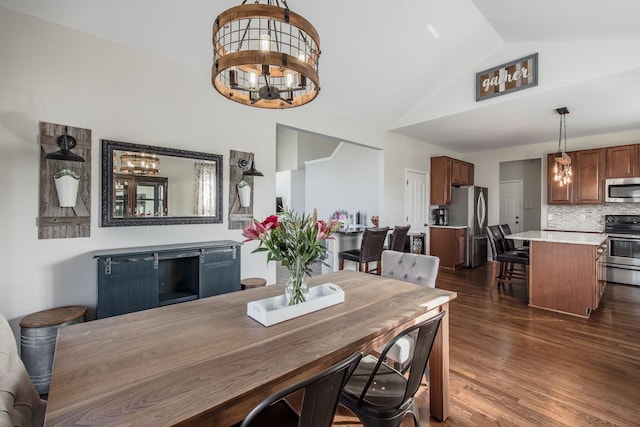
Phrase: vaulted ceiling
[409,66]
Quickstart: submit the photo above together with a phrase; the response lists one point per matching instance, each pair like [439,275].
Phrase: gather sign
[506,78]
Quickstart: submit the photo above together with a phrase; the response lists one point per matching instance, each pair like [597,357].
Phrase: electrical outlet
[549,217]
[582,217]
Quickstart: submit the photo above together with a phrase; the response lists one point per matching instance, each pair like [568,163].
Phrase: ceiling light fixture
[265,55]
[139,163]
[562,164]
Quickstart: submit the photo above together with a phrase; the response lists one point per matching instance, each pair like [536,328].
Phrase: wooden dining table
[205,362]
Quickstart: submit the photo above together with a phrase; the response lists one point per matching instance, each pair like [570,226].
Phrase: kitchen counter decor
[296,241]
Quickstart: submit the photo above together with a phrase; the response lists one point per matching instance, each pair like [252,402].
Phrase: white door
[415,200]
[511,204]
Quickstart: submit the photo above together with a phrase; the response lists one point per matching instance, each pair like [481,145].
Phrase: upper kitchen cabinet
[445,173]
[460,174]
[623,161]
[588,175]
[557,194]
[441,169]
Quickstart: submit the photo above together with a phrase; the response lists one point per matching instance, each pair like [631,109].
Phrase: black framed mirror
[148,185]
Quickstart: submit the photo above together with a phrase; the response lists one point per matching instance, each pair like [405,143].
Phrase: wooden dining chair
[370,250]
[319,400]
[381,396]
[20,404]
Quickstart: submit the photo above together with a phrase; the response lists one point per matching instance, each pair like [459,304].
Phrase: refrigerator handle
[481,212]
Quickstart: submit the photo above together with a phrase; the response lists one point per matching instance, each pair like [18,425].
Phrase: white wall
[53,74]
[290,185]
[312,146]
[287,148]
[349,179]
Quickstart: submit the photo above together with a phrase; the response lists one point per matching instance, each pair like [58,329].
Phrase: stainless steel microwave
[622,190]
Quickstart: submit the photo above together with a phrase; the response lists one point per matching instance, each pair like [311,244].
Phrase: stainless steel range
[623,249]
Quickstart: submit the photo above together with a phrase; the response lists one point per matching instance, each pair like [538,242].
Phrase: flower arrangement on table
[296,242]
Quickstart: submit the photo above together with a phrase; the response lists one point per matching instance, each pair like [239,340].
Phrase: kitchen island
[565,270]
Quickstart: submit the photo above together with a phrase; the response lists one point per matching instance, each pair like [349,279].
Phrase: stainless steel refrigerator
[469,208]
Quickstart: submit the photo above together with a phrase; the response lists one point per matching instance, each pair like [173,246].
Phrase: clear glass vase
[296,289]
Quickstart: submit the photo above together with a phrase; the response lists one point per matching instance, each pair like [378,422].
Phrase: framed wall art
[507,78]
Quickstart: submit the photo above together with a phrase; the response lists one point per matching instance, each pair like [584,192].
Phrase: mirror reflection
[147,185]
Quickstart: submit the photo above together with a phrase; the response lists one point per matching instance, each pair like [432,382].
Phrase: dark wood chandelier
[265,55]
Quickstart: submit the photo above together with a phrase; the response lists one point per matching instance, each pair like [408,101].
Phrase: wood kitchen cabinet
[441,169]
[445,173]
[589,176]
[586,186]
[448,244]
[134,279]
[565,277]
[623,161]
[557,194]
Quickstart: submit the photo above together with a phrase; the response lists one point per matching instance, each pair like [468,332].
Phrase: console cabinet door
[127,284]
[219,271]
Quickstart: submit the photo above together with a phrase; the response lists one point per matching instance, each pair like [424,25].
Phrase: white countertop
[595,239]
[448,226]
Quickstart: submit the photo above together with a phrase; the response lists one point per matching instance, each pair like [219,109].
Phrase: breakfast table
[205,362]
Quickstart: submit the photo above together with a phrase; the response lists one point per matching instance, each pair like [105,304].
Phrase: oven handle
[621,266]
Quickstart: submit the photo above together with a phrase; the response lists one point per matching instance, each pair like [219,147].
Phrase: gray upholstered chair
[414,268]
[20,404]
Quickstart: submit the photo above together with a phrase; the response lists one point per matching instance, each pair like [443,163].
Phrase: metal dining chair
[370,250]
[378,394]
[413,268]
[319,401]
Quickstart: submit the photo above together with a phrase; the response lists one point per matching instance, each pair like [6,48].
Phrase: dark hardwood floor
[512,365]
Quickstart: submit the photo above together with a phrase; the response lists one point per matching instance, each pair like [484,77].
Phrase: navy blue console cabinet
[134,279]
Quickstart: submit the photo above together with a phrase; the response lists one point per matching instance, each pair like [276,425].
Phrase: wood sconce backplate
[55,222]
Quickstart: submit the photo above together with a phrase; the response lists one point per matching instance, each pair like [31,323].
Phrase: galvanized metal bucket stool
[38,333]
[252,282]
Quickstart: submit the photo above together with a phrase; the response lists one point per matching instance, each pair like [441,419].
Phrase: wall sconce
[244,189]
[66,143]
[66,177]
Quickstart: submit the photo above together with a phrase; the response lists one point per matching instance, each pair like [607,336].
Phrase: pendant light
[562,162]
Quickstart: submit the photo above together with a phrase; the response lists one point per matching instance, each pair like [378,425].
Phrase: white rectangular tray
[270,311]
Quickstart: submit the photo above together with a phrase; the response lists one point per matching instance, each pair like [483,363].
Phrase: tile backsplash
[586,217]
